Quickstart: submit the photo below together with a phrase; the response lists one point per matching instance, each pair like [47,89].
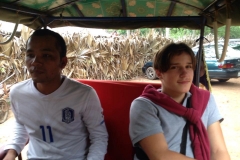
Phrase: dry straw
[89,57]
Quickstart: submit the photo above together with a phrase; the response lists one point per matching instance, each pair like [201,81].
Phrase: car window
[237,47]
[230,51]
[209,51]
[232,43]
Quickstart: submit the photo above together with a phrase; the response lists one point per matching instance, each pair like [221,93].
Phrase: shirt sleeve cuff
[16,148]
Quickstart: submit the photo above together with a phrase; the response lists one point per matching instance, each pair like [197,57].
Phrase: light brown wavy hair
[162,58]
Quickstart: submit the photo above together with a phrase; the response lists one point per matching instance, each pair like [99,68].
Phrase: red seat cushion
[116,98]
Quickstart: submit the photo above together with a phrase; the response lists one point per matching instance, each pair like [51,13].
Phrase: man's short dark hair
[163,57]
[60,43]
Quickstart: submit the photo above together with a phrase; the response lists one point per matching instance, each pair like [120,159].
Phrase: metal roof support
[215,31]
[15,1]
[125,19]
[124,8]
[63,5]
[44,22]
[199,55]
[176,1]
[217,5]
[19,9]
[77,9]
[170,10]
[135,22]
[12,35]
[214,5]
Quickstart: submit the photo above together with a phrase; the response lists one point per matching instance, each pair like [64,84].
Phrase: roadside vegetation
[116,57]
[177,33]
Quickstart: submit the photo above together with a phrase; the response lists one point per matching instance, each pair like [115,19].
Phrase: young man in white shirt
[58,117]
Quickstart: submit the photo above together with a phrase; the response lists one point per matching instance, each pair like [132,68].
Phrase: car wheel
[150,73]
[223,80]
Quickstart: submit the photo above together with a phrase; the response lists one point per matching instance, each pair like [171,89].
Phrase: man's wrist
[11,153]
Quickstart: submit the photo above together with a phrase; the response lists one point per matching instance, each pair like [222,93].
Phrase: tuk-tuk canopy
[120,14]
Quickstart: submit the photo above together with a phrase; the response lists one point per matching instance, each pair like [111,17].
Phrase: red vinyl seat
[116,98]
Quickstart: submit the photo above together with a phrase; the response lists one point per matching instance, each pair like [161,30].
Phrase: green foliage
[119,32]
[122,32]
[177,33]
[234,32]
[144,31]
[181,32]
[2,70]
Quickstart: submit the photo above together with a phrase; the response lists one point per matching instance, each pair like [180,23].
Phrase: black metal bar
[213,6]
[127,22]
[50,22]
[173,19]
[170,10]
[186,4]
[124,8]
[199,55]
[15,1]
[43,22]
[216,5]
[21,9]
[77,9]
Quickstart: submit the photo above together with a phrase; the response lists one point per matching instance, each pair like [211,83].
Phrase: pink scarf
[198,132]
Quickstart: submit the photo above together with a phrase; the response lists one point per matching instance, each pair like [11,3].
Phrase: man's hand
[156,148]
[11,155]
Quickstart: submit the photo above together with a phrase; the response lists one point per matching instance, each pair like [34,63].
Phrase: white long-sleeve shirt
[58,125]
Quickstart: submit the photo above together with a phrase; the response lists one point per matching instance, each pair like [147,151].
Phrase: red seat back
[116,98]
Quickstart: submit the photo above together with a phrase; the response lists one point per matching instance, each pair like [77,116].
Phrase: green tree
[234,32]
[177,33]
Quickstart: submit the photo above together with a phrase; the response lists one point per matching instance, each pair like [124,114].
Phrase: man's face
[178,78]
[43,59]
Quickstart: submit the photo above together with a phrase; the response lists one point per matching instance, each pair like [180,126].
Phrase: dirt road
[227,96]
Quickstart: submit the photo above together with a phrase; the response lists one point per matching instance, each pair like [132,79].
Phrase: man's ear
[159,74]
[63,62]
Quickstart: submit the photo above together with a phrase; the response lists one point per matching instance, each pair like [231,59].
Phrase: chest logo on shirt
[67,115]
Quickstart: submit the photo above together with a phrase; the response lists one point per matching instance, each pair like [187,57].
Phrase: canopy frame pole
[199,55]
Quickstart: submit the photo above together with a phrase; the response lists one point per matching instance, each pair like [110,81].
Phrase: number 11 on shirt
[49,131]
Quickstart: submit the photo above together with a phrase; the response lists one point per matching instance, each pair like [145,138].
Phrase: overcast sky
[8,27]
